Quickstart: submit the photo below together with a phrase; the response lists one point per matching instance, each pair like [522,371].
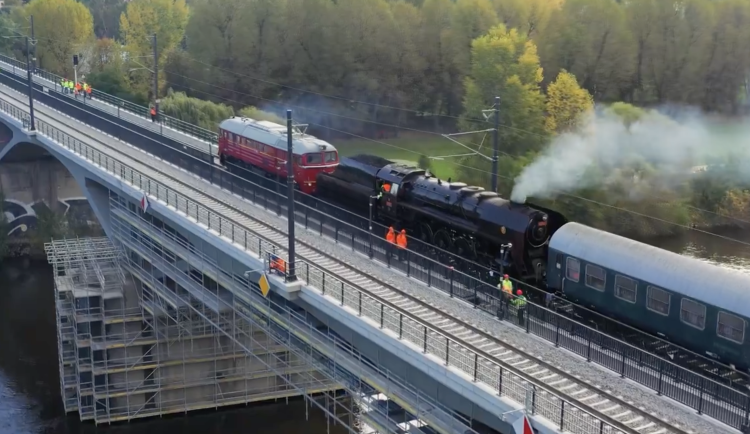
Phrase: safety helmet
[519,292]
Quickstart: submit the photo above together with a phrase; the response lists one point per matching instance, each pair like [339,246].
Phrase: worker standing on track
[401,242]
[520,303]
[77,89]
[88,92]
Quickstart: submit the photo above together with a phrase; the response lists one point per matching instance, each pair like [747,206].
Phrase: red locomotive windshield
[321,159]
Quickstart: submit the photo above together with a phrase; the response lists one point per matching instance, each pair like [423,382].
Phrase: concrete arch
[25,146]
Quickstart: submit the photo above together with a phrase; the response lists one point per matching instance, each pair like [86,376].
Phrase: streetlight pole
[156,77]
[29,77]
[496,144]
[369,226]
[291,274]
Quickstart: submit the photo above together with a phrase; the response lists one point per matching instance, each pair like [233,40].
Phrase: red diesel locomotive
[261,146]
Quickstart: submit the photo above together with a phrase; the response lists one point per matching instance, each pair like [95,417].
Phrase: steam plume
[606,149]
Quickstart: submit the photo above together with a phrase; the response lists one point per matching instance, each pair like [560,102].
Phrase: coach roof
[710,284]
[273,134]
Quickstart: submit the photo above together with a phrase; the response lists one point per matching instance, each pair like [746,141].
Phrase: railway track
[623,416]
[654,345]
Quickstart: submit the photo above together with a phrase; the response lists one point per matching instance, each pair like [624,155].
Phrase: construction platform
[126,352]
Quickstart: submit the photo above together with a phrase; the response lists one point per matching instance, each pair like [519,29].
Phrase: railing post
[447,351]
[360,303]
[400,325]
[562,416]
[476,366]
[425,340]
[342,293]
[382,315]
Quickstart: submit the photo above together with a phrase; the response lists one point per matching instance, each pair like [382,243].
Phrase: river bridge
[197,255]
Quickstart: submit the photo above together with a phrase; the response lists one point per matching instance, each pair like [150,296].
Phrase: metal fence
[483,368]
[123,104]
[712,368]
[716,400]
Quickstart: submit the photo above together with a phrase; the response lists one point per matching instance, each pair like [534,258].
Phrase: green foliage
[49,226]
[505,64]
[205,114]
[110,80]
[260,115]
[629,113]
[424,162]
[63,26]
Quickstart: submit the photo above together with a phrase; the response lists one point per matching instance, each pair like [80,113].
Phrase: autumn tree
[106,14]
[505,64]
[567,103]
[589,39]
[62,27]
[142,19]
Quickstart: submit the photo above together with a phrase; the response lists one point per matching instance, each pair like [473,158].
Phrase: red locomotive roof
[273,134]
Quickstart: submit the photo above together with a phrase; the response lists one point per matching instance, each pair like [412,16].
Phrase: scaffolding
[179,278]
[126,352]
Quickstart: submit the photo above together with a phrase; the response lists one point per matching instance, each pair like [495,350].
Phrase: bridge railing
[137,109]
[709,397]
[477,366]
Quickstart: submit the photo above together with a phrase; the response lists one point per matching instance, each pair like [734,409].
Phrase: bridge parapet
[493,375]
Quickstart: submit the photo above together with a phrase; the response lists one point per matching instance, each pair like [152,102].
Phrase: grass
[407,148]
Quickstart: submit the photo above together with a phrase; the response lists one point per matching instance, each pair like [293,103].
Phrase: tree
[106,15]
[205,114]
[505,64]
[62,27]
[142,19]
[567,103]
[589,39]
[260,115]
[629,113]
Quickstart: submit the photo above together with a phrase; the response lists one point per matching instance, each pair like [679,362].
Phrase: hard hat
[519,292]
[505,276]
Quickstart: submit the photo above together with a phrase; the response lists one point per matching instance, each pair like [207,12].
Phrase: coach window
[572,269]
[693,313]
[314,158]
[596,278]
[625,288]
[330,157]
[658,300]
[730,327]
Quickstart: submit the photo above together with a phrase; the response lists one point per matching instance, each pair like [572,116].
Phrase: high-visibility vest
[507,286]
[153,111]
[78,86]
[88,89]
[520,301]
[390,236]
[401,240]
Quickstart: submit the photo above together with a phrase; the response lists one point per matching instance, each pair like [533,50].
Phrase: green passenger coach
[692,303]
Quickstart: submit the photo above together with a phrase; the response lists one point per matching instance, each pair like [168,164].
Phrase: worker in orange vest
[88,91]
[401,242]
[390,236]
[77,89]
[153,113]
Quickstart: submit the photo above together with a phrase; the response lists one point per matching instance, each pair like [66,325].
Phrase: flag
[144,203]
[522,426]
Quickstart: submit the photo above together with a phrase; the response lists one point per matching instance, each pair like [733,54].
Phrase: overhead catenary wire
[508,127]
[280,103]
[562,193]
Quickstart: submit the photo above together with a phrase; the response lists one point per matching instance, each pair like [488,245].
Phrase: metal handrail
[485,369]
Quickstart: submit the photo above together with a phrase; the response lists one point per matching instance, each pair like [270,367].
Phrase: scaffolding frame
[120,348]
[205,288]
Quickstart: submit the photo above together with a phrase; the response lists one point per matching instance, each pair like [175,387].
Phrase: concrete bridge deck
[168,185]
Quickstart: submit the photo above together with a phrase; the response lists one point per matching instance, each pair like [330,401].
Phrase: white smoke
[605,150]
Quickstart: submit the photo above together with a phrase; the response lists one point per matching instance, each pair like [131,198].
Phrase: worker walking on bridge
[401,242]
[520,303]
[153,113]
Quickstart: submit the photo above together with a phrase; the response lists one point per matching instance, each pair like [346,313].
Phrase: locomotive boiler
[466,220]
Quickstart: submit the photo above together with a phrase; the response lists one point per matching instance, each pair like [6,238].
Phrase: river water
[29,382]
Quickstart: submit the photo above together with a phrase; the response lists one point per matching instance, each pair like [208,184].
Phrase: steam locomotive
[466,220]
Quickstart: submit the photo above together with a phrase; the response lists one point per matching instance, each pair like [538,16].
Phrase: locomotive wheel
[443,240]
[424,232]
[465,249]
